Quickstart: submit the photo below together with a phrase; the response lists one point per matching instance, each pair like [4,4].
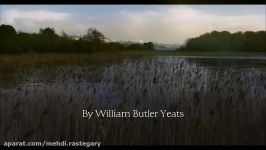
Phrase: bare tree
[94,35]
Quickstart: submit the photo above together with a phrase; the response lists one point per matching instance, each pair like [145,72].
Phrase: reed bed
[222,105]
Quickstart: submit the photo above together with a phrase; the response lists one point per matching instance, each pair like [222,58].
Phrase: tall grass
[222,105]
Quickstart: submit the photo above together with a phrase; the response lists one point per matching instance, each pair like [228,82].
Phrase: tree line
[48,41]
[226,41]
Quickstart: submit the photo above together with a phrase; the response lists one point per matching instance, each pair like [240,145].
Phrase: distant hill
[157,45]
[166,47]
[126,43]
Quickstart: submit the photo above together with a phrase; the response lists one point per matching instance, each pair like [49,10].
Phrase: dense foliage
[48,41]
[226,41]
[94,41]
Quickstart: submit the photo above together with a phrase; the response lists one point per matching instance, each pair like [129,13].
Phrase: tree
[226,41]
[47,40]
[7,30]
[149,46]
[8,39]
[48,32]
[64,35]
[96,39]
[94,35]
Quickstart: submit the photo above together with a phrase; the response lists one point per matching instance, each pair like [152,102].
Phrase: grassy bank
[94,60]
[91,60]
[11,64]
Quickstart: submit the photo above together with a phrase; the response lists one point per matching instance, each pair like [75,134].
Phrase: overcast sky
[156,23]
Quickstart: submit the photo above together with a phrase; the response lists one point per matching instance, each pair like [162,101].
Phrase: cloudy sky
[156,23]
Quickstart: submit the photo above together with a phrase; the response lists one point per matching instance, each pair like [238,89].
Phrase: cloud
[40,15]
[173,24]
[33,20]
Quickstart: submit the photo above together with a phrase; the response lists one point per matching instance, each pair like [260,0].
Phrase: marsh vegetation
[224,101]
[218,80]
